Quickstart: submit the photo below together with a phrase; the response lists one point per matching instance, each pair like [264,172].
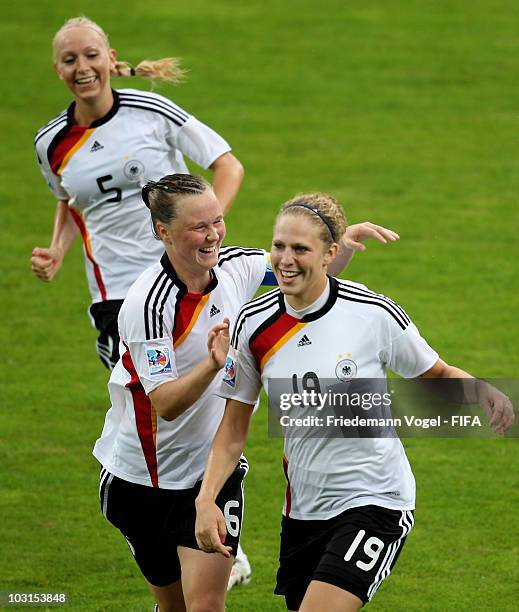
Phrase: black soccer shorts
[155,521]
[354,551]
[104,315]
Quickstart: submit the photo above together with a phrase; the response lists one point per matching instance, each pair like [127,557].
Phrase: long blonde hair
[165,69]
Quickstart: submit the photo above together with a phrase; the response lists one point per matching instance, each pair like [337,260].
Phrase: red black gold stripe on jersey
[78,218]
[145,418]
[71,141]
[188,309]
[288,493]
[264,345]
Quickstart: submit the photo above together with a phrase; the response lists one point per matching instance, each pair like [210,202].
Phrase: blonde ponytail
[165,69]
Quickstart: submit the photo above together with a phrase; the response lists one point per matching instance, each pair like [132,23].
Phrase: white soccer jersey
[350,332]
[100,169]
[163,331]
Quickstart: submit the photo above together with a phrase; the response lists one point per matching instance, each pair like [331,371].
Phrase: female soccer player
[174,330]
[97,154]
[349,503]
[95,157]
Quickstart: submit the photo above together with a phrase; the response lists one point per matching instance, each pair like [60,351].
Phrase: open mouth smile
[289,274]
[208,250]
[86,80]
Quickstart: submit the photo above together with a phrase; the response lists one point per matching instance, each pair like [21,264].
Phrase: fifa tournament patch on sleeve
[229,376]
[159,360]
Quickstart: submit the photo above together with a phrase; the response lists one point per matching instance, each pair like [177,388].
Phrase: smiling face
[299,259]
[193,238]
[83,62]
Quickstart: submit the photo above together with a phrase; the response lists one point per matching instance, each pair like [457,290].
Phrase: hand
[46,262]
[218,344]
[497,406]
[210,528]
[357,233]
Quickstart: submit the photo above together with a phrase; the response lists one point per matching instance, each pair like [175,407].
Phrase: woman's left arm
[495,404]
[227,177]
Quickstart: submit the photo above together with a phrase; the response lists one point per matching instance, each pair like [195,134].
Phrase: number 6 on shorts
[232,521]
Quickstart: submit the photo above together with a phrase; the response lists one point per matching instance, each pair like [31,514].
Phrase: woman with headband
[349,502]
[174,337]
[96,155]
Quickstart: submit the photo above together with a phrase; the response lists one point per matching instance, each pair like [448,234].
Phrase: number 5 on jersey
[103,188]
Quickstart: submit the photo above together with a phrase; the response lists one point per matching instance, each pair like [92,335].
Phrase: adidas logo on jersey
[305,341]
[97,146]
[214,311]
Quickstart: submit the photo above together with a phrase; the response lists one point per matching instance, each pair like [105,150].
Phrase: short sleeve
[246,266]
[257,273]
[53,181]
[241,380]
[200,143]
[150,359]
[154,362]
[408,354]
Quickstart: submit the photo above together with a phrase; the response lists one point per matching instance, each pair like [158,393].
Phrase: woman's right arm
[227,447]
[46,262]
[173,398]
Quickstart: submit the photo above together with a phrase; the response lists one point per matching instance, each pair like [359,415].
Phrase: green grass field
[407,110]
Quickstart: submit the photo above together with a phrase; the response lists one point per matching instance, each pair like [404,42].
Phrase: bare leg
[337,600]
[170,598]
[204,579]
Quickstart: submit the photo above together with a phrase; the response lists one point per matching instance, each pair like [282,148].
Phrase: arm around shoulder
[352,240]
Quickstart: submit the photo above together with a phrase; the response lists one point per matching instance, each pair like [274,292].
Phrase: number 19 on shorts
[372,548]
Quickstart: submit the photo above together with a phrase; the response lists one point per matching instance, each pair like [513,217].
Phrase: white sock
[240,554]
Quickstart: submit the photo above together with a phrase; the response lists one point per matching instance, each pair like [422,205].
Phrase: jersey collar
[170,271]
[109,115]
[320,312]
